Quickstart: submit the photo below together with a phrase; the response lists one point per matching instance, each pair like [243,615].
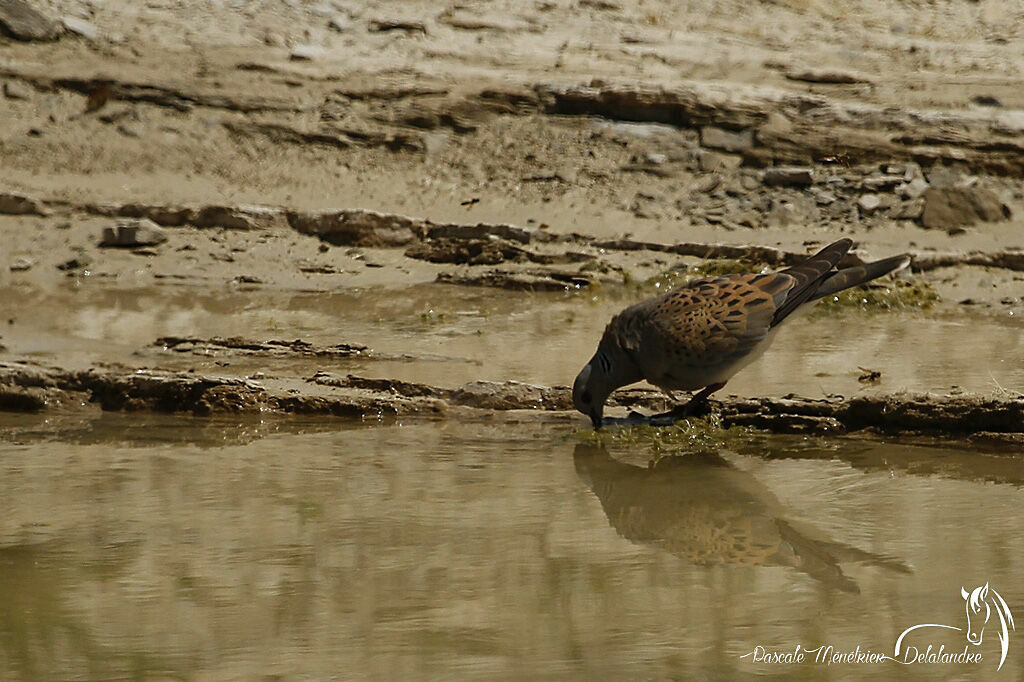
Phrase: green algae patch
[900,294]
[688,436]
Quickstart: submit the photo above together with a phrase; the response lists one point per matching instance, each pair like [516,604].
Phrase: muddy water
[448,335]
[156,548]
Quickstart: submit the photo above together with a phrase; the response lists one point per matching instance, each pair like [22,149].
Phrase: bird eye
[585,397]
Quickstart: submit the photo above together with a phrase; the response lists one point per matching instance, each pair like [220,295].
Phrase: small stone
[869,203]
[19,204]
[909,210]
[726,140]
[339,24]
[986,101]
[134,232]
[384,25]
[711,162]
[749,219]
[146,251]
[912,189]
[22,21]
[826,75]
[954,207]
[821,197]
[750,181]
[941,177]
[789,176]
[707,183]
[81,27]
[17,90]
[21,264]
[306,53]
[775,124]
[877,183]
[80,261]
[129,130]
[655,158]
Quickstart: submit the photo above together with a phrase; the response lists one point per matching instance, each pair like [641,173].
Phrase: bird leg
[697,403]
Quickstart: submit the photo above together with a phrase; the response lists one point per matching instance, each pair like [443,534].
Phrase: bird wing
[710,321]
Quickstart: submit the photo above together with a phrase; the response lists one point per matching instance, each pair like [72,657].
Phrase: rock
[775,125]
[466,251]
[789,176]
[655,158]
[130,130]
[306,53]
[132,233]
[21,21]
[799,211]
[711,162]
[241,217]
[480,231]
[339,24]
[821,197]
[407,25]
[942,176]
[909,210]
[877,183]
[21,264]
[82,260]
[357,227]
[826,75]
[17,90]
[726,140]
[986,101]
[707,183]
[495,395]
[472,21]
[19,204]
[869,203]
[81,27]
[956,207]
[912,189]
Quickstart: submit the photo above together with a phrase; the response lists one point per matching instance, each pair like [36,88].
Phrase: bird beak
[595,419]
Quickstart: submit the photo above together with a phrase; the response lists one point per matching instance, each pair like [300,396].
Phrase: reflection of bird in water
[705,510]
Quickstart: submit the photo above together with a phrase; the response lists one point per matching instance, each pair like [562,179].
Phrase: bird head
[592,387]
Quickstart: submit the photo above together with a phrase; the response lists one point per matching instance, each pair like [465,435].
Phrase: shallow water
[154,547]
[450,335]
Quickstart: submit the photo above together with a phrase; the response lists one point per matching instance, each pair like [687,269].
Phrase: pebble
[869,203]
[726,140]
[789,176]
[21,264]
[17,90]
[339,24]
[306,53]
[707,183]
[81,27]
[134,232]
[912,189]
[713,161]
[22,21]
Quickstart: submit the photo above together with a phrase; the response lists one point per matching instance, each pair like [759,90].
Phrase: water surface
[150,547]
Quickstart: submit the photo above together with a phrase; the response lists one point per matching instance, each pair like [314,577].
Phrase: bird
[700,334]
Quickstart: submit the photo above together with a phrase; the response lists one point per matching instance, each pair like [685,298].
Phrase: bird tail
[809,276]
[859,274]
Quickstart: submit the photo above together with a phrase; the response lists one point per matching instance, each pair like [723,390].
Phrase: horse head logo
[980,603]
